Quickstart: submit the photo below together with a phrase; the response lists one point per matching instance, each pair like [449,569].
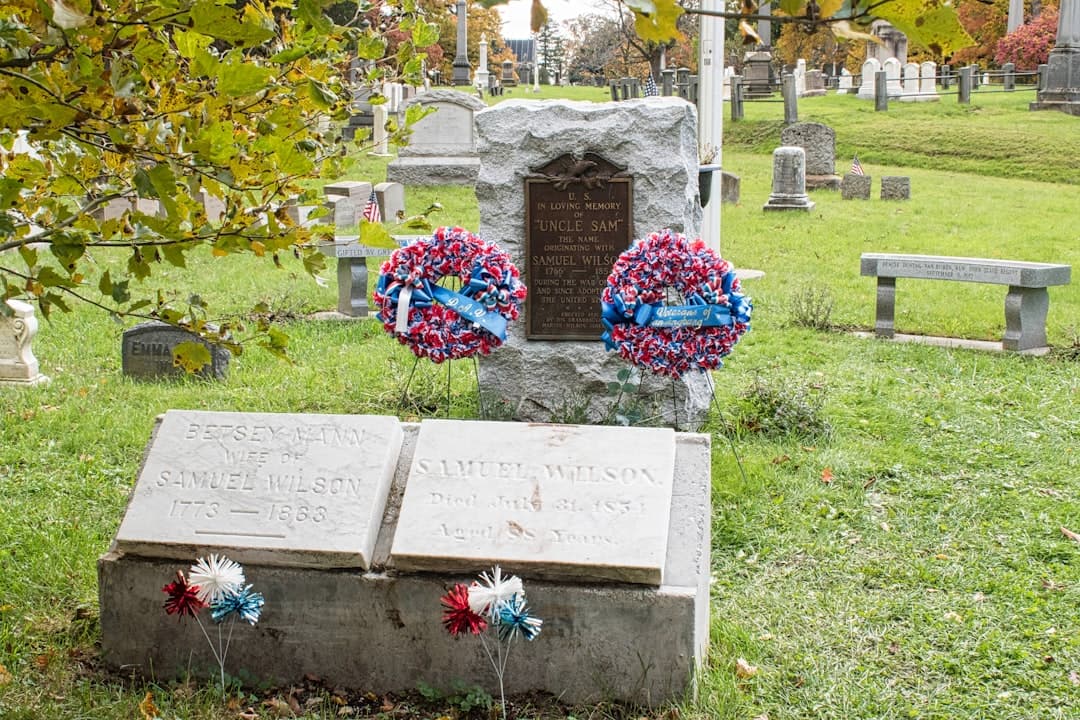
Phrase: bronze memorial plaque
[578,218]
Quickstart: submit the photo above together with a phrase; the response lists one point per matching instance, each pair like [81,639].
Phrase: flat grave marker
[557,501]
[279,489]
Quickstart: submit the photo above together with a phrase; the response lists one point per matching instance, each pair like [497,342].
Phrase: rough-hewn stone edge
[454,97]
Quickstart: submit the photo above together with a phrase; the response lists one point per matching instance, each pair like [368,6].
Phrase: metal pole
[710,104]
[881,91]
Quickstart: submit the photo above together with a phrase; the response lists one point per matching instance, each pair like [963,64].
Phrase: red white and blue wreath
[439,323]
[673,339]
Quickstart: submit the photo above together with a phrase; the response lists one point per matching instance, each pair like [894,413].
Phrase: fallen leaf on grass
[5,676]
[279,707]
[1051,585]
[1070,534]
[762,716]
[147,707]
[826,476]
[744,669]
[1074,678]
[387,705]
[780,459]
[249,714]
[952,617]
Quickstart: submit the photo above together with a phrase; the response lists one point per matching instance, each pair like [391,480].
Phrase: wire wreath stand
[447,298]
[674,306]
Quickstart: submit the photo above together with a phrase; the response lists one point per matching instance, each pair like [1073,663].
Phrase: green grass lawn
[894,551]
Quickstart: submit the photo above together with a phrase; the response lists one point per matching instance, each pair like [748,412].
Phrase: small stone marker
[789,181]
[277,489]
[895,187]
[855,187]
[18,366]
[560,501]
[146,352]
[729,188]
[391,199]
[342,211]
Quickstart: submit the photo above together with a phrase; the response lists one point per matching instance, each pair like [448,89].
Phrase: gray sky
[515,14]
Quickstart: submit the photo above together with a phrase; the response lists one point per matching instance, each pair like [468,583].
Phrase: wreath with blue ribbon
[673,339]
[443,324]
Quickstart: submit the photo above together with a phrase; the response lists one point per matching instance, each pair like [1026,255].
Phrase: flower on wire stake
[494,601]
[216,583]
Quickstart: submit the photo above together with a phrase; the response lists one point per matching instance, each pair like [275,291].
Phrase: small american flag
[856,166]
[650,86]
[371,210]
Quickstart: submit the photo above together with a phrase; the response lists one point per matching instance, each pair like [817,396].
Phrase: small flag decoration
[371,210]
[856,166]
[650,86]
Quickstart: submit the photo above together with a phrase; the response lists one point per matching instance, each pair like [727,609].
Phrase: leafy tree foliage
[1030,44]
[166,100]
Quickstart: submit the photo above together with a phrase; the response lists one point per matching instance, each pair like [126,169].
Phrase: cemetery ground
[898,547]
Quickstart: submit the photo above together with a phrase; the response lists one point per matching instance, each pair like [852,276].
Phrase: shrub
[1030,44]
[781,406]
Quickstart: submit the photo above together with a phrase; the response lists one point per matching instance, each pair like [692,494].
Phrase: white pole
[711,110]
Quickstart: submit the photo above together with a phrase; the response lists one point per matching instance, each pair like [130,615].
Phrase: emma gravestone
[147,352]
[563,188]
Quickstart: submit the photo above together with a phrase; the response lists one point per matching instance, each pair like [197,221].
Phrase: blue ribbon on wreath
[701,311]
[476,302]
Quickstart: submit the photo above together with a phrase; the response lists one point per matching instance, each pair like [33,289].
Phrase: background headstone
[729,188]
[892,69]
[818,141]
[910,83]
[855,187]
[391,199]
[895,187]
[844,84]
[146,352]
[815,84]
[18,366]
[789,181]
[866,82]
[655,139]
[928,82]
[442,147]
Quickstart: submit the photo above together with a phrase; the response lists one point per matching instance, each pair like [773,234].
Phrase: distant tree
[1030,44]
[551,48]
[592,47]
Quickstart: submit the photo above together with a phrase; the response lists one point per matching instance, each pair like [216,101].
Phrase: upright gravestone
[870,70]
[462,71]
[391,199]
[844,84]
[891,66]
[910,91]
[442,148]
[928,82]
[758,78]
[890,43]
[564,187]
[1061,89]
[895,187]
[18,366]
[815,84]
[855,187]
[352,527]
[789,181]
[819,143]
[799,74]
[148,352]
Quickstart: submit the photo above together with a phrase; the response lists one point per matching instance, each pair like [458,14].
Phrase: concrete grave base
[381,630]
[951,342]
[422,170]
[822,182]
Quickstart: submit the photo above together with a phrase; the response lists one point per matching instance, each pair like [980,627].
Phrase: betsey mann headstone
[274,488]
[578,218]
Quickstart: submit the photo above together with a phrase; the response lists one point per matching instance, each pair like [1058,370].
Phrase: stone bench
[1025,304]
